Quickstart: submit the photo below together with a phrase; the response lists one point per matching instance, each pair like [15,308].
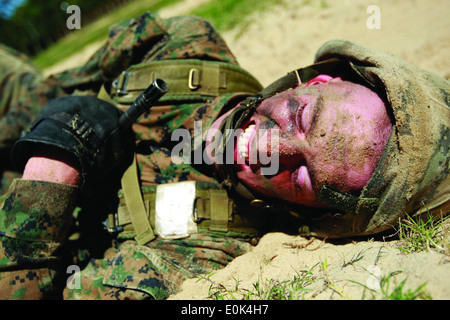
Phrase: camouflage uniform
[33,230]
[35,218]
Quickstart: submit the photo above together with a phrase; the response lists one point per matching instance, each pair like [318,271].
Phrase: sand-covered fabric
[413,173]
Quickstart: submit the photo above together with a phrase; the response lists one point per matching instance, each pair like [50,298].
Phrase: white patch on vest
[174,210]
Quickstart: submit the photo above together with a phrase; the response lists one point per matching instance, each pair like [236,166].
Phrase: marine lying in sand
[361,138]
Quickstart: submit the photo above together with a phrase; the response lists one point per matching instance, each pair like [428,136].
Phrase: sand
[285,38]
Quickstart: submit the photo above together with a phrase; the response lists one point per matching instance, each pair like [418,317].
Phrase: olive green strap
[186,78]
[135,204]
[346,202]
[132,195]
[219,214]
[104,95]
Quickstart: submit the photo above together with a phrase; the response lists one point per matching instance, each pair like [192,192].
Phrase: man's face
[329,132]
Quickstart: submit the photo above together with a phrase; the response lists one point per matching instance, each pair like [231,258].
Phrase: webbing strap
[347,202]
[135,204]
[211,78]
[132,195]
[103,95]
[186,78]
[219,210]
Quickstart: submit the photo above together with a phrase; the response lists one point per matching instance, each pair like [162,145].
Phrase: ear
[323,78]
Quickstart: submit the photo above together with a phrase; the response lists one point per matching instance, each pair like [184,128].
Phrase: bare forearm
[51,170]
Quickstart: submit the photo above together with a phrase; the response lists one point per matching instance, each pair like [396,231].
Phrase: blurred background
[38,28]
[32,26]
[269,37]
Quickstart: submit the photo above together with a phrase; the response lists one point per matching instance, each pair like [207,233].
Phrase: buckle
[111,223]
[194,79]
[120,83]
[195,217]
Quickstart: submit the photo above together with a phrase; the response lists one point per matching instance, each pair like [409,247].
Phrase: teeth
[243,141]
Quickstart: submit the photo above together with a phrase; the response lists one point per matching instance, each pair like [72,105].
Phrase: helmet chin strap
[241,114]
[235,120]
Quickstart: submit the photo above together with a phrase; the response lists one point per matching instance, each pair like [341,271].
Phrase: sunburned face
[329,132]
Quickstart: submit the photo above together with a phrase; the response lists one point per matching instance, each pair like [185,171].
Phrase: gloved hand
[83,128]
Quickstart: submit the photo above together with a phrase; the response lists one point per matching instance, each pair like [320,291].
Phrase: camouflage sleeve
[34,221]
[127,43]
[17,77]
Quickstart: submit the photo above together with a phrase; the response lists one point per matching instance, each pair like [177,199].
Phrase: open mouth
[243,141]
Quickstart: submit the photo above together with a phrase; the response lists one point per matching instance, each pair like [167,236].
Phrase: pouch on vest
[176,210]
[161,211]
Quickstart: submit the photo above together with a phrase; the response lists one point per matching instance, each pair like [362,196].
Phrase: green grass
[264,289]
[96,31]
[393,291]
[298,288]
[222,14]
[426,233]
[390,289]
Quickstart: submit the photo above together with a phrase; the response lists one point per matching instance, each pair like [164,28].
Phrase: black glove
[84,128]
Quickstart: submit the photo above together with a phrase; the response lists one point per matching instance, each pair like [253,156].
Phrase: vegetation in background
[34,25]
[95,31]
[222,14]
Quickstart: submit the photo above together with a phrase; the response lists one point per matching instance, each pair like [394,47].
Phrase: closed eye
[299,116]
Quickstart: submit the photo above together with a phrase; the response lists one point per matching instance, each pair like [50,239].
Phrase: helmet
[413,173]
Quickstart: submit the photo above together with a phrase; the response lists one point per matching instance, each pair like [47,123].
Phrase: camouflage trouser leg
[153,271]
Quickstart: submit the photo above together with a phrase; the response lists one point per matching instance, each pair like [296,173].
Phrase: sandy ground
[286,38]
